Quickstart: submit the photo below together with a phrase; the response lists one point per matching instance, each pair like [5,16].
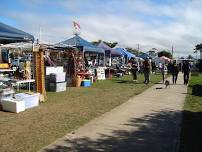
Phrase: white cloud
[131,23]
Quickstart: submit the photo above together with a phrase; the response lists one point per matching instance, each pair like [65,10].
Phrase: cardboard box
[13,105]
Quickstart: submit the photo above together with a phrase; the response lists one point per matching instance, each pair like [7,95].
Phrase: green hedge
[199,65]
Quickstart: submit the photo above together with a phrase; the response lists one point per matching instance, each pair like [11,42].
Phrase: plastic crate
[13,105]
[58,87]
[57,77]
[86,83]
[31,99]
[58,69]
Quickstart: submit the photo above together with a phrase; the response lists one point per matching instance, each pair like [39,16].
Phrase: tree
[152,52]
[190,57]
[198,47]
[165,53]
[199,65]
[96,42]
[110,44]
[132,50]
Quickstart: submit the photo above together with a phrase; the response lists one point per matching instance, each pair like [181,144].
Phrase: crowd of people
[172,68]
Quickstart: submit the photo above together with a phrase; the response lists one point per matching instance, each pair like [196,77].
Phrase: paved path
[149,122]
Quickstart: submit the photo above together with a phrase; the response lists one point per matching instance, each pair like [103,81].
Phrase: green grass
[64,112]
[192,117]
[194,102]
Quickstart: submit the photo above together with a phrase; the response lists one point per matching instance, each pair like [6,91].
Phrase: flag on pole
[76,25]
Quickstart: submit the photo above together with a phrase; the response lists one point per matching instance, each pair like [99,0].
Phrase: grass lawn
[191,135]
[63,112]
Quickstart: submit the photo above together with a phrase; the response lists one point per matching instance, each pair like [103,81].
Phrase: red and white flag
[76,25]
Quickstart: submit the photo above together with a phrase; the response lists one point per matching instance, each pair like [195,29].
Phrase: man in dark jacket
[186,71]
[134,68]
[174,71]
[146,70]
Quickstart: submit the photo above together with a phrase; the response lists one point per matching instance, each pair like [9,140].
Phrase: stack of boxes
[55,79]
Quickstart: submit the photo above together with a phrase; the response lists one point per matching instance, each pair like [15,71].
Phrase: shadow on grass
[154,132]
[128,82]
[197,90]
[191,133]
[133,82]
[158,83]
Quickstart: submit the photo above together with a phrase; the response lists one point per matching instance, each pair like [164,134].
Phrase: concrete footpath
[148,122]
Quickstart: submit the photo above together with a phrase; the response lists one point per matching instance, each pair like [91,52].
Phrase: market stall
[9,100]
[89,56]
[125,54]
[110,54]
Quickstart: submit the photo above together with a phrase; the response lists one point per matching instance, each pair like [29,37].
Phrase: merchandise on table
[6,93]
[100,73]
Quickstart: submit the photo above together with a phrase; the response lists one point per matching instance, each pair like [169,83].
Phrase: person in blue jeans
[134,68]
[186,71]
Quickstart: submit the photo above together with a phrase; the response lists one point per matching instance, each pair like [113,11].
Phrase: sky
[157,24]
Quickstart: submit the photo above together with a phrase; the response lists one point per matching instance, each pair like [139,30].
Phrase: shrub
[199,65]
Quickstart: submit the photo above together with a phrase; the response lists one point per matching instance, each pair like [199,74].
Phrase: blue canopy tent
[112,52]
[144,56]
[10,34]
[125,53]
[77,41]
[87,47]
[109,52]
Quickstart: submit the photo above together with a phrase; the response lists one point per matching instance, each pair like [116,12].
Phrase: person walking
[153,65]
[162,69]
[186,71]
[146,70]
[134,68]
[174,72]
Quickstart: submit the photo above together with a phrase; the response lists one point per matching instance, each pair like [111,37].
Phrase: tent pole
[40,72]
[33,61]
[110,61]
[104,59]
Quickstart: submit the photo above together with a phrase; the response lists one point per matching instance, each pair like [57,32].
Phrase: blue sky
[150,23]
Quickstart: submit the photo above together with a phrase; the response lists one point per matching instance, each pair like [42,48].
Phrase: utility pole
[138,49]
[39,39]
